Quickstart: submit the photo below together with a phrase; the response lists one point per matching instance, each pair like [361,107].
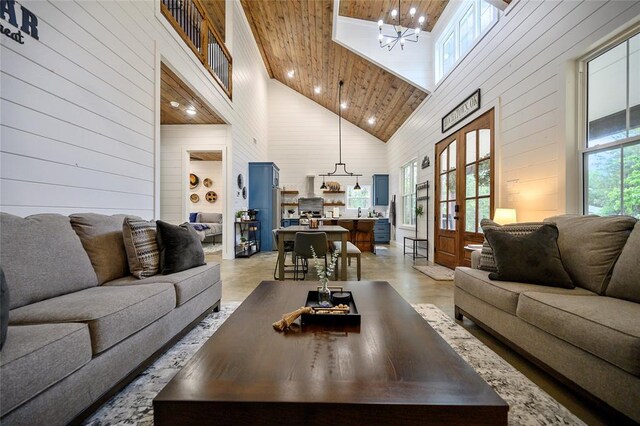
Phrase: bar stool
[302,250]
[348,225]
[364,234]
[288,248]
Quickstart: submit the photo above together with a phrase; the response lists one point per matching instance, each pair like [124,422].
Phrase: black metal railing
[190,20]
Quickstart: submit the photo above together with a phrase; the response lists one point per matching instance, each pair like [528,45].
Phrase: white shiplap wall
[176,142]
[80,106]
[303,140]
[524,67]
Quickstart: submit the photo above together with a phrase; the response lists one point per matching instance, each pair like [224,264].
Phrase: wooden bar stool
[352,251]
[364,235]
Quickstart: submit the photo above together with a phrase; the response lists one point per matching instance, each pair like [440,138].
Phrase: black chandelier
[340,163]
[401,35]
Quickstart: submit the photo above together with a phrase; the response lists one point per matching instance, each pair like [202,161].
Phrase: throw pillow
[590,246]
[141,246]
[532,258]
[624,282]
[487,260]
[192,217]
[180,247]
[4,308]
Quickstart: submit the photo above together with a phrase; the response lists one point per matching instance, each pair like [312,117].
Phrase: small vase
[324,294]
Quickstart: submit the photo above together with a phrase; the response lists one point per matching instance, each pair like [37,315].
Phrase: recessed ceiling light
[317,89]
[174,104]
[343,105]
[191,111]
[291,73]
[371,120]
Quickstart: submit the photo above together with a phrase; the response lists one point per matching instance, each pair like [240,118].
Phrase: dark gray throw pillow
[4,308]
[180,247]
[533,258]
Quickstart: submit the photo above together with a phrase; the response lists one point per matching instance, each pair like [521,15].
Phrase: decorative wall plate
[211,196]
[240,181]
[207,182]
[194,198]
[193,181]
[244,192]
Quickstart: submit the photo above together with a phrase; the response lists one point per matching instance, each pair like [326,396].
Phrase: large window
[409,178]
[359,197]
[474,18]
[611,149]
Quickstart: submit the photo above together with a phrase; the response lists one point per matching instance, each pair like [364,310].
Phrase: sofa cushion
[4,308]
[188,284]
[112,313]
[180,247]
[487,260]
[532,258]
[590,245]
[625,281]
[141,245]
[42,257]
[606,327]
[203,217]
[38,356]
[101,237]
[503,294]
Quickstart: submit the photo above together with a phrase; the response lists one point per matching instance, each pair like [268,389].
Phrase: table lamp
[504,216]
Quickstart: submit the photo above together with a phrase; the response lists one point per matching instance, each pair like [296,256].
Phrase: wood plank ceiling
[296,35]
[373,10]
[172,88]
[216,11]
[205,155]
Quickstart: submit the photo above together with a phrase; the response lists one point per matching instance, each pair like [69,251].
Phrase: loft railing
[190,20]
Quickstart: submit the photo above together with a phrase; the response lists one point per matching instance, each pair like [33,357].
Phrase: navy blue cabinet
[380,190]
[382,231]
[290,222]
[263,196]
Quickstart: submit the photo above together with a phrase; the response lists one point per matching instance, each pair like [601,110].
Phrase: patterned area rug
[210,248]
[437,272]
[529,405]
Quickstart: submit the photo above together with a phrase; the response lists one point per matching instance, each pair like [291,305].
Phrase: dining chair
[302,250]
[288,248]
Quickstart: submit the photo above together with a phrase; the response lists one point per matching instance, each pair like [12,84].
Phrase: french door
[464,190]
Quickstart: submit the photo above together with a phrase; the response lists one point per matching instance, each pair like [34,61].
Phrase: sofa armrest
[475,259]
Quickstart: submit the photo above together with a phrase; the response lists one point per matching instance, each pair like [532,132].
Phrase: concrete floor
[241,276]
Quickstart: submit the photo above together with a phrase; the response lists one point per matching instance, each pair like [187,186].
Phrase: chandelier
[340,163]
[402,35]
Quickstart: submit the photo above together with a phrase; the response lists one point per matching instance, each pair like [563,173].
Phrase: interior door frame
[462,238]
[438,256]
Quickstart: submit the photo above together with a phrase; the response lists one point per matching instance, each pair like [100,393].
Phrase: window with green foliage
[409,178]
[611,154]
[359,197]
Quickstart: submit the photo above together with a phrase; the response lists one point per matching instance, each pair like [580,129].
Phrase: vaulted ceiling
[295,35]
[373,10]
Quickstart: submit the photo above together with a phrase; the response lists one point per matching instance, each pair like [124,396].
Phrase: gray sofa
[214,223]
[587,337]
[80,326]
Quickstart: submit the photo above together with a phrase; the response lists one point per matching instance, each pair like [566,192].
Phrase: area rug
[529,405]
[210,248]
[437,272]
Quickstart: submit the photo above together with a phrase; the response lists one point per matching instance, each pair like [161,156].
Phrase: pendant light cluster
[335,172]
[402,35]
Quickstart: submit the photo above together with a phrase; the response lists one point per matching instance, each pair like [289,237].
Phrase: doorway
[464,190]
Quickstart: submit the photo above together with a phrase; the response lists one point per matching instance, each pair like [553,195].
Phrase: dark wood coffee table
[393,368]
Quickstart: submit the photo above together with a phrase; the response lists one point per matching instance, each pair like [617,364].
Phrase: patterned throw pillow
[487,261]
[142,247]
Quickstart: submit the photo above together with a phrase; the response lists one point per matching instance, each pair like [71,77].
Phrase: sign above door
[462,111]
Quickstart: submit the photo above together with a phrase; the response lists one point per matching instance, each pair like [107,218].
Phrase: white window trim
[581,122]
[411,162]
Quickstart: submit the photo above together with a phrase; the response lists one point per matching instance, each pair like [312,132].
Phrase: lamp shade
[504,216]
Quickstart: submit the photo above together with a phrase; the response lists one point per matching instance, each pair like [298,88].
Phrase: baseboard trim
[77,420]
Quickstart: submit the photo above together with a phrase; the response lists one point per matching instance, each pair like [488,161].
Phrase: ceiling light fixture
[343,105]
[402,35]
[291,73]
[191,111]
[317,89]
[340,163]
[174,104]
[371,120]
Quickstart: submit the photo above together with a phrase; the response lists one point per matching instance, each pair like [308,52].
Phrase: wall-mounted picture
[193,181]
[207,182]
[211,196]
[194,198]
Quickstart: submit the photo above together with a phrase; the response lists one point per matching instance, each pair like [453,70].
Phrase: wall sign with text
[462,111]
[28,21]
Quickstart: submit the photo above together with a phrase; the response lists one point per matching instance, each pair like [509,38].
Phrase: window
[473,19]
[408,180]
[359,197]
[611,148]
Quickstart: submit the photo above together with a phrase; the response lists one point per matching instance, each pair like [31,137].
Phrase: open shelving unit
[250,231]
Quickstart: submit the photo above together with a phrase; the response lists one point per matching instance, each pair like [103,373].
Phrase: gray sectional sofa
[80,326]
[589,336]
[213,221]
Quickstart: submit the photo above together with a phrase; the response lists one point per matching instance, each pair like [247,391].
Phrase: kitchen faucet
[359,212]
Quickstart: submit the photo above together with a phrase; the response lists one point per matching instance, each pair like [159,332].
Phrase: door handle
[456,217]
